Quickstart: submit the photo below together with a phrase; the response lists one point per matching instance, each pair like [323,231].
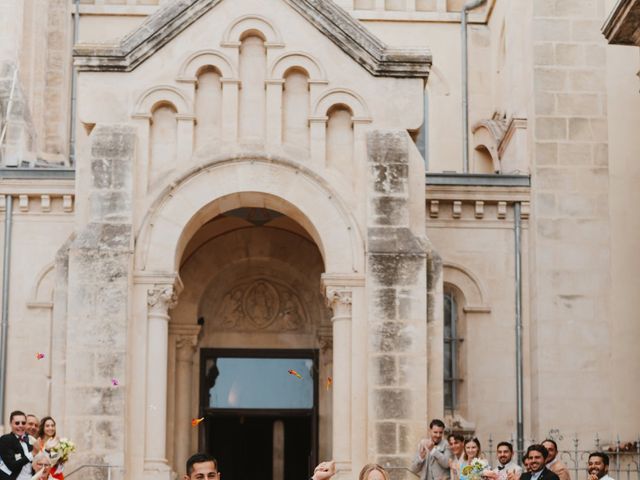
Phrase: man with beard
[432,459]
[506,469]
[553,462]
[598,466]
[537,456]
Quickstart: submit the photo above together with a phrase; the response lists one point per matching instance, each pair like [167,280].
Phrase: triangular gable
[336,24]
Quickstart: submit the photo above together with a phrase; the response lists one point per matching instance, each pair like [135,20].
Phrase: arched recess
[342,96]
[487,135]
[468,285]
[298,60]
[251,23]
[162,94]
[196,61]
[229,182]
[41,293]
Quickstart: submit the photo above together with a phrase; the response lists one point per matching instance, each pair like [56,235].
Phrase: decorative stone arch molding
[196,61]
[487,137]
[252,23]
[469,285]
[250,180]
[41,293]
[142,116]
[301,60]
[319,117]
[342,96]
[162,94]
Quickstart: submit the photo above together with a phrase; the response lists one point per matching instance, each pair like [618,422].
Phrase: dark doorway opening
[260,420]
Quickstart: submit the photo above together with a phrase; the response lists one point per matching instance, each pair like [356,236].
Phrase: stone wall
[98,303]
[570,253]
[396,261]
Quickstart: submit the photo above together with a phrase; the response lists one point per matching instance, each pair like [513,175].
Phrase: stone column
[160,299]
[186,345]
[339,299]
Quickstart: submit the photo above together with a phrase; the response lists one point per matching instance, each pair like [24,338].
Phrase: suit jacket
[560,469]
[436,465]
[545,475]
[12,456]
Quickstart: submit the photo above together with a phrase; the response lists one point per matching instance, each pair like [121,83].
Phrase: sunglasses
[19,423]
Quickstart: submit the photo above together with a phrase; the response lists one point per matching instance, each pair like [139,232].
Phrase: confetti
[329,382]
[39,356]
[196,421]
[115,382]
[295,374]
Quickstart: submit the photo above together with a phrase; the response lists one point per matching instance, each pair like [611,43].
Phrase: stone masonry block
[390,179]
[550,79]
[570,54]
[113,141]
[392,403]
[392,337]
[394,240]
[390,211]
[544,54]
[576,8]
[549,128]
[587,80]
[546,153]
[396,270]
[388,147]
[589,130]
[386,370]
[96,400]
[551,29]
[586,31]
[574,154]
[587,104]
[386,438]
[385,303]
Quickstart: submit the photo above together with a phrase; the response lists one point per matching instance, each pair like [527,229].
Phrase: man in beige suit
[553,462]
[432,459]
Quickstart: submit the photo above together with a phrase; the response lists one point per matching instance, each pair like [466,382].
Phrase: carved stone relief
[261,304]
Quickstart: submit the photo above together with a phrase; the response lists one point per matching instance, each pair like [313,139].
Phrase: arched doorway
[167,306]
[251,276]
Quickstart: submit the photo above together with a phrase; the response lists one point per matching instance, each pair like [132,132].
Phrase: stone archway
[193,200]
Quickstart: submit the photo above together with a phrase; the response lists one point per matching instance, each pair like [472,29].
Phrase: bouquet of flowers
[474,470]
[60,452]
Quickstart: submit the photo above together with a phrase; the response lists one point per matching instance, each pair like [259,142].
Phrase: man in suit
[15,450]
[553,462]
[32,425]
[432,459]
[506,469]
[537,456]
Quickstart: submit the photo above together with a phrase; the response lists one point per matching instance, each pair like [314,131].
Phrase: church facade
[284,231]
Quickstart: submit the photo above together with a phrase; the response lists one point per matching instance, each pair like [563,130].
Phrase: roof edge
[622,26]
[341,28]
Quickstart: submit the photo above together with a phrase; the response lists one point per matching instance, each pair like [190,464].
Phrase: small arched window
[452,351]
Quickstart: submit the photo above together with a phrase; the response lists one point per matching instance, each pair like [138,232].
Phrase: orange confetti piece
[329,382]
[196,421]
[39,356]
[295,374]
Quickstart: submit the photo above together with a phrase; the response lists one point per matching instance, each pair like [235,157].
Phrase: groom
[15,449]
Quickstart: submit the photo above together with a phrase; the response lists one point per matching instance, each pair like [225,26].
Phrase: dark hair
[602,455]
[456,436]
[505,444]
[538,448]
[555,445]
[16,413]
[200,458]
[524,458]
[41,427]
[436,423]
[477,442]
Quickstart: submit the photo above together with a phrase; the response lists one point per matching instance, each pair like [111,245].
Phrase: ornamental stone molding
[161,299]
[623,25]
[339,300]
[327,17]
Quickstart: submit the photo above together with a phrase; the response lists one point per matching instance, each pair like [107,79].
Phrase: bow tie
[24,438]
[501,467]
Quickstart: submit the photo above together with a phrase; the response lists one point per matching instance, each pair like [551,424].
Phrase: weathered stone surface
[386,438]
[392,403]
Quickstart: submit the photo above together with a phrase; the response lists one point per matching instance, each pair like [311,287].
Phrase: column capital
[339,300]
[161,298]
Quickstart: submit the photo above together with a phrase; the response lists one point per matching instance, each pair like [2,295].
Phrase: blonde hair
[371,467]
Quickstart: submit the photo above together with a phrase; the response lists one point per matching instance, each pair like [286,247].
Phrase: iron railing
[102,472]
